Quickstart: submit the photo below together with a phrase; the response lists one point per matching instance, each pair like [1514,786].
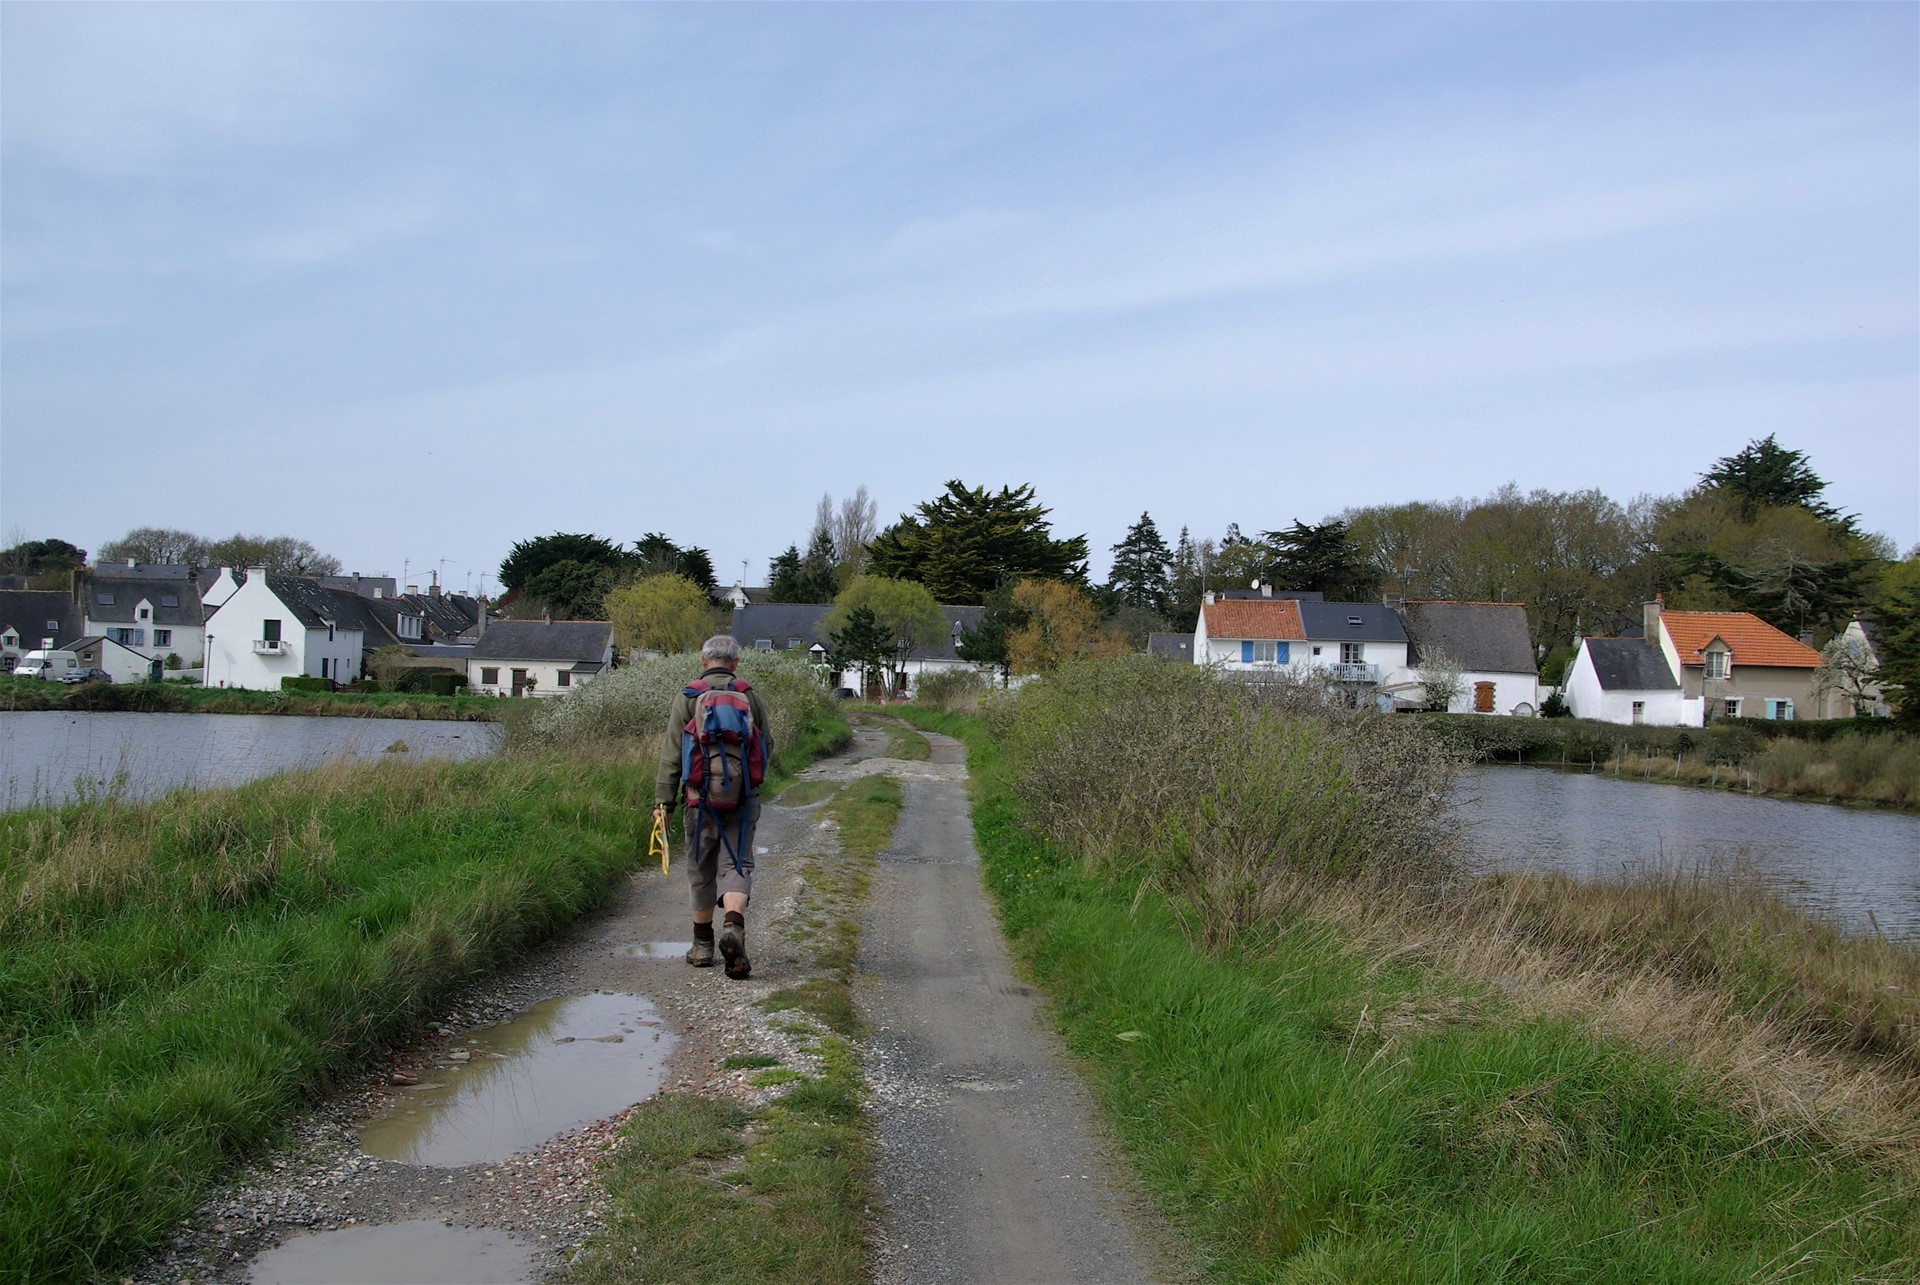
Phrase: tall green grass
[1311,1102]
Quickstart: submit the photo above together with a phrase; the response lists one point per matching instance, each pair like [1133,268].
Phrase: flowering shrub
[630,703]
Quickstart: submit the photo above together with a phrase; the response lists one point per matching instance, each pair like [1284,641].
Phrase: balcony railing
[1351,672]
[272,646]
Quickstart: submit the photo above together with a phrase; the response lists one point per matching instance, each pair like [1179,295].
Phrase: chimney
[1266,591]
[1806,637]
[1209,597]
[1650,616]
[133,562]
[480,625]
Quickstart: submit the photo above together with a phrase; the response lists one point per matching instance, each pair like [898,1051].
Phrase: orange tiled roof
[1754,641]
[1263,618]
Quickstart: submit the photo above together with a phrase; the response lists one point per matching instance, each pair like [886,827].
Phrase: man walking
[715,751]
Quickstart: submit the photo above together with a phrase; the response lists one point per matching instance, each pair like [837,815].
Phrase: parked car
[86,675]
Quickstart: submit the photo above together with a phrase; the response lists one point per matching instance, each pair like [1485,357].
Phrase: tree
[1765,474]
[852,530]
[1187,581]
[783,576]
[1239,560]
[1846,666]
[664,613]
[862,643]
[46,563]
[1321,558]
[905,610]
[1061,623]
[529,558]
[967,540]
[1441,680]
[282,555]
[158,546]
[1897,642]
[569,590]
[1141,567]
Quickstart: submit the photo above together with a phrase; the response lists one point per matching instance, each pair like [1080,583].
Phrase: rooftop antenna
[442,574]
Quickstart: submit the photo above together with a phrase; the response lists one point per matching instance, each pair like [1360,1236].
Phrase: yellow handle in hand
[657,840]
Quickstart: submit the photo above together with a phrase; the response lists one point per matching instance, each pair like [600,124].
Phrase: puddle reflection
[563,1063]
[675,950]
[408,1253]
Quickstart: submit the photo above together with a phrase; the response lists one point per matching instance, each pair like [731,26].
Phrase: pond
[49,757]
[1858,868]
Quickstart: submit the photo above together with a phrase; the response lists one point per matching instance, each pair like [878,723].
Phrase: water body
[1858,868]
[561,1064]
[418,1252]
[49,757]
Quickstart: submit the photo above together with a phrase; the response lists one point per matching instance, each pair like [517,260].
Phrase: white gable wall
[1587,699]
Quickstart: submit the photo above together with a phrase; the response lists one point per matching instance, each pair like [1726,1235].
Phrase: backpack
[723,758]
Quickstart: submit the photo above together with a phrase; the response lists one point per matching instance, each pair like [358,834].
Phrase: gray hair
[721,649]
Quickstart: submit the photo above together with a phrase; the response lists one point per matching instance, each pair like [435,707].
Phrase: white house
[274,627]
[1627,680]
[154,610]
[1360,645]
[122,664]
[538,657]
[1491,645]
[1860,641]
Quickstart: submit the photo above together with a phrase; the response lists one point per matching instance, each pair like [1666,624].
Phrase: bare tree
[1848,666]
[157,546]
[853,528]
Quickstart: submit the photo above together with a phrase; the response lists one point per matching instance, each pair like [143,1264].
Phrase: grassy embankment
[24,694]
[779,1194]
[1868,761]
[1331,1060]
[176,977]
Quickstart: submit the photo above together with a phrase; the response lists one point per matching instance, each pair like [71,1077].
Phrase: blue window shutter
[1280,652]
[1246,652]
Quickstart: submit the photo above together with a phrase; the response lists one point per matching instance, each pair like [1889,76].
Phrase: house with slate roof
[1490,643]
[120,664]
[32,619]
[154,610]
[1626,680]
[1174,647]
[1358,643]
[795,627]
[274,627]
[539,657]
[1737,663]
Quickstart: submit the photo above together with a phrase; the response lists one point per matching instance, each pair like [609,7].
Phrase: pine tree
[1141,561]
[966,541]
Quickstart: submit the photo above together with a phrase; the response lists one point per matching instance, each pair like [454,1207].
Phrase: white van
[48,663]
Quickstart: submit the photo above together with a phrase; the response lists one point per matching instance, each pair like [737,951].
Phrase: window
[409,626]
[1353,653]
[1780,710]
[128,637]
[145,613]
[1717,663]
[323,667]
[489,676]
[1733,707]
[566,678]
[1483,698]
[1316,651]
[52,625]
[169,599]
[329,631]
[163,637]
[104,598]
[270,631]
[794,642]
[1639,711]
[1262,653]
[763,644]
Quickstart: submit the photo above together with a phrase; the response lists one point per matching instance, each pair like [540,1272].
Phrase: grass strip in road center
[708,1188]
[1309,1111]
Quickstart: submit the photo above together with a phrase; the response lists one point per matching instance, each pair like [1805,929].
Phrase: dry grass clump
[953,690]
[1210,788]
[1809,1030]
[1882,769]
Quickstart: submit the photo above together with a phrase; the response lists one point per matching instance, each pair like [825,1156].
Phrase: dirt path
[992,1166]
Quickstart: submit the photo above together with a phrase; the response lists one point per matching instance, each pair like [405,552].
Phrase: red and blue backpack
[723,759]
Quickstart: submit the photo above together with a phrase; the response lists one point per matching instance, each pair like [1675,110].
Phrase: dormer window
[1718,663]
[1353,622]
[146,613]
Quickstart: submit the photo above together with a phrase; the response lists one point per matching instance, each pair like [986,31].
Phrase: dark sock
[703,932]
[735,919]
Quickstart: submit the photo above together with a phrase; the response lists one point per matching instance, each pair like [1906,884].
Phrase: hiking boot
[700,954]
[733,947]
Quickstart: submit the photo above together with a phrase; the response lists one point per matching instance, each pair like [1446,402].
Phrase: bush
[173,661]
[303,683]
[950,689]
[631,703]
[446,683]
[1218,791]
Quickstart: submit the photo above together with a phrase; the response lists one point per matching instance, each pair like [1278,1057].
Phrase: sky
[414,282]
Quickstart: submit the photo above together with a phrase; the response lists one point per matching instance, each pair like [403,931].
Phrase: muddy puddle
[674,950]
[563,1063]
[408,1253]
